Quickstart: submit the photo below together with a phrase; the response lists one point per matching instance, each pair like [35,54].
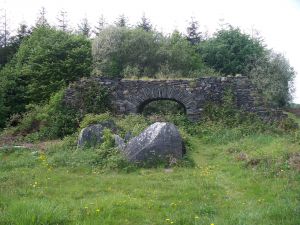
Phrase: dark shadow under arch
[142,105]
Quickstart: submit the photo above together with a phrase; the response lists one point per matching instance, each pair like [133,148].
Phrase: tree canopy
[44,63]
[119,51]
[230,51]
[37,62]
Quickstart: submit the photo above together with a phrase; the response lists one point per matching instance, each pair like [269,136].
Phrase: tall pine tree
[63,21]
[145,24]
[121,21]
[100,25]
[42,20]
[4,30]
[194,36]
[84,27]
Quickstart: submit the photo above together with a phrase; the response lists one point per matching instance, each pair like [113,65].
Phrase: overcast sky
[278,21]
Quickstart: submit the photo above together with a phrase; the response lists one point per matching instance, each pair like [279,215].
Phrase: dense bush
[52,120]
[44,63]
[121,51]
[104,157]
[274,76]
[119,47]
[231,52]
[90,118]
[56,119]
[134,124]
[49,60]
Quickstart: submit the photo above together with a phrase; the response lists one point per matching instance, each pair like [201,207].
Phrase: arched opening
[161,107]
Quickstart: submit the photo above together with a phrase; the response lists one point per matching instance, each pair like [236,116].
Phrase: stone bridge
[131,96]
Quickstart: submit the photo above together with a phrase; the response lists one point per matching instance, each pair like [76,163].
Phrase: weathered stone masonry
[130,96]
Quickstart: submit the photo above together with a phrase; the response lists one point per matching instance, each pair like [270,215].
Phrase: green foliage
[12,99]
[247,180]
[19,158]
[40,211]
[118,47]
[49,60]
[52,120]
[288,124]
[120,51]
[108,139]
[274,76]
[90,119]
[56,120]
[180,57]
[231,52]
[102,158]
[45,62]
[134,124]
[3,108]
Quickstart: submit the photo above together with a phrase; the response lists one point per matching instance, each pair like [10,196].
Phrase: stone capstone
[159,142]
[93,134]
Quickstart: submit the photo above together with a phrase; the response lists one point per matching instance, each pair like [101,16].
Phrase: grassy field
[235,179]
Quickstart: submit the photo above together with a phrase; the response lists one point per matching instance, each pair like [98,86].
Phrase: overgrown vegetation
[45,62]
[241,172]
[38,62]
[237,168]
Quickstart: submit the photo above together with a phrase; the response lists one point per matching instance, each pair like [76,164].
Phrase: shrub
[45,62]
[52,120]
[57,119]
[94,118]
[134,124]
[104,157]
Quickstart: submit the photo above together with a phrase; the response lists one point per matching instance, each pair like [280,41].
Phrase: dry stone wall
[130,96]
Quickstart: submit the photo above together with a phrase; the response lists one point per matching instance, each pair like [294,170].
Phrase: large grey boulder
[93,134]
[158,142]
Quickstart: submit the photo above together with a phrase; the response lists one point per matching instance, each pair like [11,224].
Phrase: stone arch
[128,96]
[146,95]
[141,107]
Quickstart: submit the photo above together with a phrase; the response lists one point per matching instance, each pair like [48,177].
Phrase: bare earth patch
[294,161]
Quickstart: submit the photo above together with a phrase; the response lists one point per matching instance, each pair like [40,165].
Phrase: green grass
[64,187]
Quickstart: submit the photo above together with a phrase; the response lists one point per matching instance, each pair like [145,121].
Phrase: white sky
[278,21]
